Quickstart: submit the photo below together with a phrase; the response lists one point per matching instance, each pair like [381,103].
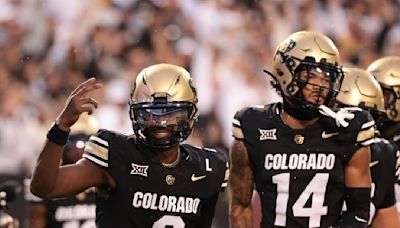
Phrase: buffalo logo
[299,139]
[170,179]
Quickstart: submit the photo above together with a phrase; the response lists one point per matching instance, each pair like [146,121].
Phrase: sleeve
[240,118]
[207,211]
[360,133]
[224,183]
[366,130]
[397,166]
[97,148]
[223,166]
[237,131]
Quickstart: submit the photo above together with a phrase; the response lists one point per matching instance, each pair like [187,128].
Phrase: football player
[303,158]
[360,89]
[73,211]
[154,180]
[386,71]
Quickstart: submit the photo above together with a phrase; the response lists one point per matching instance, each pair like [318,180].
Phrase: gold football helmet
[361,89]
[387,71]
[163,105]
[311,52]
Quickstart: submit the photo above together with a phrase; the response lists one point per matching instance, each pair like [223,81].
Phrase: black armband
[57,136]
[358,201]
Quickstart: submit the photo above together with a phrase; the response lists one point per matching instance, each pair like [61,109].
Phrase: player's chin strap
[341,117]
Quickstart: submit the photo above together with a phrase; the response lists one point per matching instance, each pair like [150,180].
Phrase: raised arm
[241,185]
[49,179]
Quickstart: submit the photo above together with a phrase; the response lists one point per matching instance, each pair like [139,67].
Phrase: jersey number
[315,189]
[170,221]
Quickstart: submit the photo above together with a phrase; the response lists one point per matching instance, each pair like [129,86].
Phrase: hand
[78,102]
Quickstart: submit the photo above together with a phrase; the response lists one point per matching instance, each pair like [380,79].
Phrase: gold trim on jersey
[99,151]
[226,175]
[365,134]
[237,132]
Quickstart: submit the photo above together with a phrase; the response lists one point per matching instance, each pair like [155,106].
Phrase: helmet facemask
[392,102]
[320,79]
[162,123]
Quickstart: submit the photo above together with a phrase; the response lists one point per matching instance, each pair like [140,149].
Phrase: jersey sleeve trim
[236,129]
[210,149]
[99,151]
[226,177]
[397,167]
[368,142]
[365,134]
[99,141]
[236,123]
[96,160]
[368,125]
[96,150]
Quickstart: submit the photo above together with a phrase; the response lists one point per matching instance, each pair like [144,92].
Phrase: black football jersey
[299,173]
[395,139]
[73,212]
[383,171]
[151,195]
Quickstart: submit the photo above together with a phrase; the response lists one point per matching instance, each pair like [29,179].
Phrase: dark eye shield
[163,111]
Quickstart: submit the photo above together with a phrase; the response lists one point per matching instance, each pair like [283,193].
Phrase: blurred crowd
[47,47]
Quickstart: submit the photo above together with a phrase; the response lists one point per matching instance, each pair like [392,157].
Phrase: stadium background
[47,47]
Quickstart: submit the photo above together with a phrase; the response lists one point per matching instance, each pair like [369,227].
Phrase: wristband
[57,136]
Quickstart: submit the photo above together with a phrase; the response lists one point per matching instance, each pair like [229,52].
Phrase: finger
[88,88]
[89,100]
[83,84]
[87,108]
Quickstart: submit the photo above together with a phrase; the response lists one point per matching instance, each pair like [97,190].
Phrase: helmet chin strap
[299,112]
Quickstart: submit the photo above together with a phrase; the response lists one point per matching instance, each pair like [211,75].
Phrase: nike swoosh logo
[374,163]
[195,178]
[360,219]
[328,135]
